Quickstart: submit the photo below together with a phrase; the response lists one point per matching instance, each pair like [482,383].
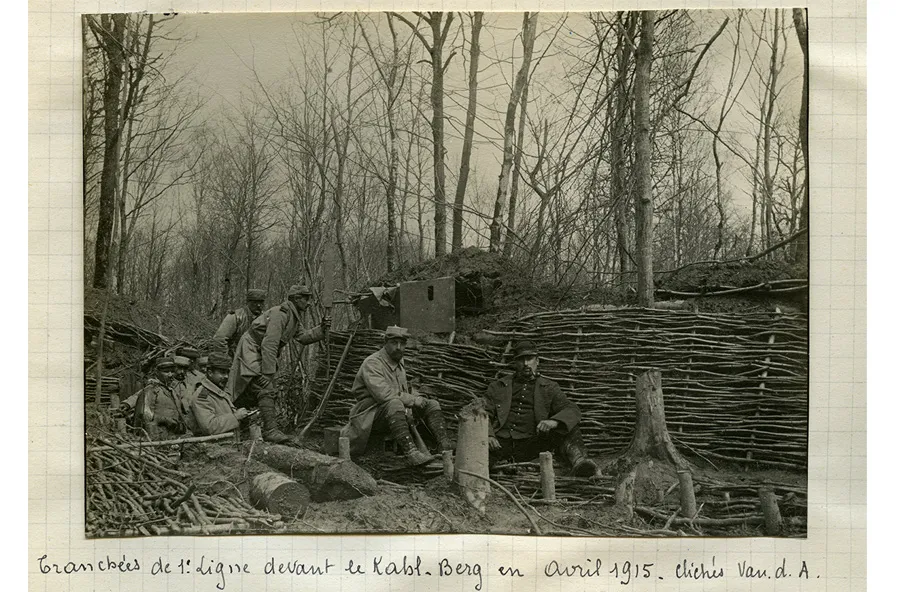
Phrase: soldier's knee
[394,406]
[431,405]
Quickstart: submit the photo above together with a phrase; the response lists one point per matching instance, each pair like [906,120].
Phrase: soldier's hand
[493,443]
[546,425]
[326,322]
[420,401]
[241,413]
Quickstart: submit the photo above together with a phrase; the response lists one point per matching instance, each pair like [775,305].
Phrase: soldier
[238,321]
[257,355]
[158,408]
[212,409]
[529,414]
[383,397]
[192,375]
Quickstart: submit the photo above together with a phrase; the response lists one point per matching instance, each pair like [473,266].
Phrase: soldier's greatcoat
[232,328]
[258,350]
[548,402]
[213,410]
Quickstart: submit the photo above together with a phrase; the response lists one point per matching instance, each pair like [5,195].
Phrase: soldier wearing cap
[529,414]
[257,355]
[383,396]
[212,408]
[157,406]
[238,321]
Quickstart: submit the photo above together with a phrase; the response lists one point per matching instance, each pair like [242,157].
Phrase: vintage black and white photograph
[539,274]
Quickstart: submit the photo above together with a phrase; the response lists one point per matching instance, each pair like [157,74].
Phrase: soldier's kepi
[256,357]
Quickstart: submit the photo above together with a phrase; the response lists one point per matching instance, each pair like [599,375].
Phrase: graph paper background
[835,547]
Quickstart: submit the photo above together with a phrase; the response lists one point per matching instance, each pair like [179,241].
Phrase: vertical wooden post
[344,448]
[688,501]
[772,519]
[448,467]
[472,453]
[546,465]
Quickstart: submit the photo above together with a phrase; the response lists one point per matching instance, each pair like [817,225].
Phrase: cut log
[448,467]
[331,440]
[327,477]
[472,454]
[278,494]
[344,448]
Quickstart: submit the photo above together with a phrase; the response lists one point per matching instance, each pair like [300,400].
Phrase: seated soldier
[157,406]
[211,406]
[383,397]
[529,414]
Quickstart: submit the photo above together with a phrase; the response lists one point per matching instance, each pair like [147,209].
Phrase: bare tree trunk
[459,200]
[437,131]
[510,237]
[767,220]
[643,163]
[801,244]
[619,127]
[392,246]
[522,78]
[112,38]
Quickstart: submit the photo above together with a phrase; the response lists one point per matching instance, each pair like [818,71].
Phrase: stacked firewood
[134,490]
[110,385]
[735,384]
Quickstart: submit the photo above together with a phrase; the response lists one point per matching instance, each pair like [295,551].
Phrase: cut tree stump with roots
[651,461]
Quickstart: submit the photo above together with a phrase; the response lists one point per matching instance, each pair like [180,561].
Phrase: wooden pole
[546,464]
[472,454]
[449,468]
[344,448]
[772,519]
[688,501]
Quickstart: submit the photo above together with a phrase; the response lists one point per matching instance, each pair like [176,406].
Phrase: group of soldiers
[212,394]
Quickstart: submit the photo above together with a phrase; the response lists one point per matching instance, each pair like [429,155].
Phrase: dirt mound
[173,322]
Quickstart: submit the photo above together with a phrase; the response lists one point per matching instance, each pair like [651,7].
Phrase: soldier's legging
[257,389]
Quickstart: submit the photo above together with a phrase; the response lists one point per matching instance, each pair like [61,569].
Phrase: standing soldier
[257,355]
[238,321]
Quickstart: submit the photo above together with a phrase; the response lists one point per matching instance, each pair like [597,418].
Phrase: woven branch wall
[735,384]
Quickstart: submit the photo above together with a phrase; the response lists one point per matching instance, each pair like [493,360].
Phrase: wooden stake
[448,466]
[772,519]
[344,448]
[688,502]
[546,464]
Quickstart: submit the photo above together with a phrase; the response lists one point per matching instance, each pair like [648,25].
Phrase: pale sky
[222,50]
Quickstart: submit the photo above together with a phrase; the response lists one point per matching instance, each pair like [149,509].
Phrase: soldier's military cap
[219,360]
[181,361]
[394,332]
[188,352]
[164,363]
[299,290]
[256,295]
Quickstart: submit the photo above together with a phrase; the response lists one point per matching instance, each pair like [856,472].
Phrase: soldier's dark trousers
[526,449]
[395,408]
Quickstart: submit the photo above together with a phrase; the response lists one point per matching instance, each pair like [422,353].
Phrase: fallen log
[328,478]
[279,494]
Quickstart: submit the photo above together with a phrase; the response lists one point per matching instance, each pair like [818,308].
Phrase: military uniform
[383,396]
[212,409]
[159,410]
[517,405]
[236,323]
[257,355]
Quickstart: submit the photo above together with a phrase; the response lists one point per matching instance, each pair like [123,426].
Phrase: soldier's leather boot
[399,428]
[575,452]
[271,431]
[435,423]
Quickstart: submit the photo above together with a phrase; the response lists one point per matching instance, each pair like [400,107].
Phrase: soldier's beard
[526,374]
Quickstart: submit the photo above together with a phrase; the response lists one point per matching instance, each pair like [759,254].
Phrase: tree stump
[651,452]
[472,453]
[772,519]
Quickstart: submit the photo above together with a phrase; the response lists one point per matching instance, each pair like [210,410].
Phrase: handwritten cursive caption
[225,573]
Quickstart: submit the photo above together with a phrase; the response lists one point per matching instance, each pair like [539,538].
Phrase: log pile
[110,385]
[735,384]
[134,491]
